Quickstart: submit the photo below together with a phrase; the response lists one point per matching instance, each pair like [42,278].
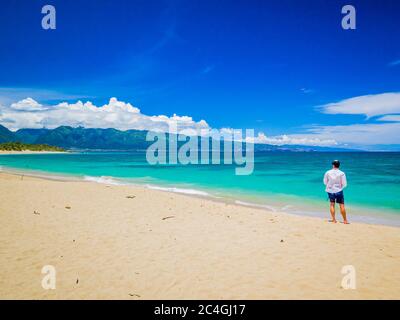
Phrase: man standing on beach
[335,181]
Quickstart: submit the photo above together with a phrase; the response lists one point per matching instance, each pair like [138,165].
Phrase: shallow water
[281,181]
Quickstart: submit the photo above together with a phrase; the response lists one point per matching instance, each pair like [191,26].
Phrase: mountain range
[112,139]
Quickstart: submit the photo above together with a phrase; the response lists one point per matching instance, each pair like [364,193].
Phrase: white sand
[160,245]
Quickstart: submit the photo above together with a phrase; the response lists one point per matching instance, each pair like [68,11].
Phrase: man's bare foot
[346,222]
[333,221]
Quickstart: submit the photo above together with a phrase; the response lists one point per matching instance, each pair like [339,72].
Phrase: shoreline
[129,242]
[385,219]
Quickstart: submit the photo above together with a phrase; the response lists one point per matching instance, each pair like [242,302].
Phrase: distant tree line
[19,146]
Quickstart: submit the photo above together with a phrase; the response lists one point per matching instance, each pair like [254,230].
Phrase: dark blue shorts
[337,197]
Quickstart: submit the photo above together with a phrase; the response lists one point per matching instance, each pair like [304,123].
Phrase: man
[335,181]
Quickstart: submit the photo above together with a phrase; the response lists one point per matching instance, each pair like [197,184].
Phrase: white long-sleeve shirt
[335,181]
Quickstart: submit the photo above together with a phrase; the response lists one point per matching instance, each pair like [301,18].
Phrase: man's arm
[344,181]
[326,178]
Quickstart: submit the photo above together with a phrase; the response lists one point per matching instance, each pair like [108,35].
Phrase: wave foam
[103,180]
[113,181]
[248,204]
[179,190]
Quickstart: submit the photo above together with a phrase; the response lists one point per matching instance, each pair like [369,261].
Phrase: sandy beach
[126,242]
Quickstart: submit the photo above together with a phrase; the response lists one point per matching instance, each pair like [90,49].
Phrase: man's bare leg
[343,212]
[332,209]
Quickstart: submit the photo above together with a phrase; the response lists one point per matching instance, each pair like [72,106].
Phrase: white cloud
[27,104]
[391,117]
[28,113]
[116,114]
[386,130]
[358,134]
[369,105]
[305,140]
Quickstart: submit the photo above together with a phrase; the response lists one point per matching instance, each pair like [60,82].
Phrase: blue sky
[243,64]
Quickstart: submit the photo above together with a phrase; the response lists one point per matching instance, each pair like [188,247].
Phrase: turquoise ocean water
[281,181]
